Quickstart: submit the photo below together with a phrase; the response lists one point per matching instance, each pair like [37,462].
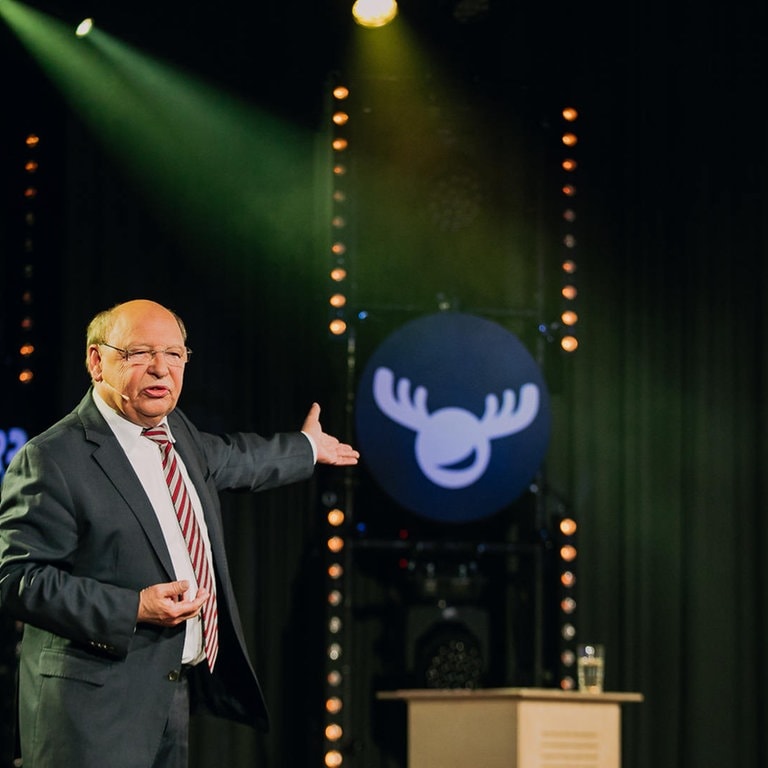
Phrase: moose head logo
[448,437]
[452,417]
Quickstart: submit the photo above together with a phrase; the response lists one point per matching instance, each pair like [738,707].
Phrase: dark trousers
[174,746]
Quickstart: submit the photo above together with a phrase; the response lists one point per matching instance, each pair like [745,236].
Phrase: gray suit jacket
[78,540]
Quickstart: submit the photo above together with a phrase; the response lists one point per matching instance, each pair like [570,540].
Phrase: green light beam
[210,164]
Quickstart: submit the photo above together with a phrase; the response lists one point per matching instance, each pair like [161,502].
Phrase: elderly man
[112,555]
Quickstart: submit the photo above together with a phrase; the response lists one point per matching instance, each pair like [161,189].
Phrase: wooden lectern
[512,728]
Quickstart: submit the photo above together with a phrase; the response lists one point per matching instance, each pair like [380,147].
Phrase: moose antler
[409,414]
[507,420]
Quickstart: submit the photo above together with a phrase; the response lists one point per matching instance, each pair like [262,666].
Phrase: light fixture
[84,27]
[565,538]
[569,343]
[335,712]
[374,13]
[337,324]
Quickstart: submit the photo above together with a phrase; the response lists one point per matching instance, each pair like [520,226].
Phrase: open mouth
[156,391]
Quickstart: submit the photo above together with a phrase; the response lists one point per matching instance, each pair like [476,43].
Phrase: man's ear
[94,362]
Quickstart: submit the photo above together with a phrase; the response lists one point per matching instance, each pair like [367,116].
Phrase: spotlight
[84,27]
[337,327]
[450,656]
[374,13]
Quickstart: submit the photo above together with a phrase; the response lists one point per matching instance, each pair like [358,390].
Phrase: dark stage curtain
[668,418]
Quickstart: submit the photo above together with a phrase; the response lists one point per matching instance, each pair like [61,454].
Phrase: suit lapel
[114,463]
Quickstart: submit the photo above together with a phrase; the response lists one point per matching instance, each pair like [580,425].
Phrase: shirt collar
[128,432]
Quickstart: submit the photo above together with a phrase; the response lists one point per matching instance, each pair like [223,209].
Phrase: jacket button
[174,675]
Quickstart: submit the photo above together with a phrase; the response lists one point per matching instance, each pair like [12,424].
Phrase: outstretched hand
[329,449]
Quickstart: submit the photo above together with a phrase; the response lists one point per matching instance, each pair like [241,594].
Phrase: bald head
[143,392]
[100,328]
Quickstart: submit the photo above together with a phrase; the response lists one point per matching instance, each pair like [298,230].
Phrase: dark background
[658,441]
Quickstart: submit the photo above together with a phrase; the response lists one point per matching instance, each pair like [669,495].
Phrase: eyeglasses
[176,357]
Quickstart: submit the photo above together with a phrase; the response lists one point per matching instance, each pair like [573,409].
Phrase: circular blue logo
[452,417]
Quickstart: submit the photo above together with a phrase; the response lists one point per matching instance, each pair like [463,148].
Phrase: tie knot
[158,434]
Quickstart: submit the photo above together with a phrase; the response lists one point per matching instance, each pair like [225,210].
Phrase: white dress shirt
[146,460]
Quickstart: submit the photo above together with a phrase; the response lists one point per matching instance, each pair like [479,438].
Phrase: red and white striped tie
[189,527]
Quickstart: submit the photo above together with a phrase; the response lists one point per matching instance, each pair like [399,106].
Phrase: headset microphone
[115,389]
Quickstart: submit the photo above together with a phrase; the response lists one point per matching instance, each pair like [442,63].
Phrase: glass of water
[590,661]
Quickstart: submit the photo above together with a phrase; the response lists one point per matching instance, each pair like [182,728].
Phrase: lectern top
[542,694]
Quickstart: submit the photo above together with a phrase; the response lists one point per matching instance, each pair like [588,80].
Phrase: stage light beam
[211,166]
